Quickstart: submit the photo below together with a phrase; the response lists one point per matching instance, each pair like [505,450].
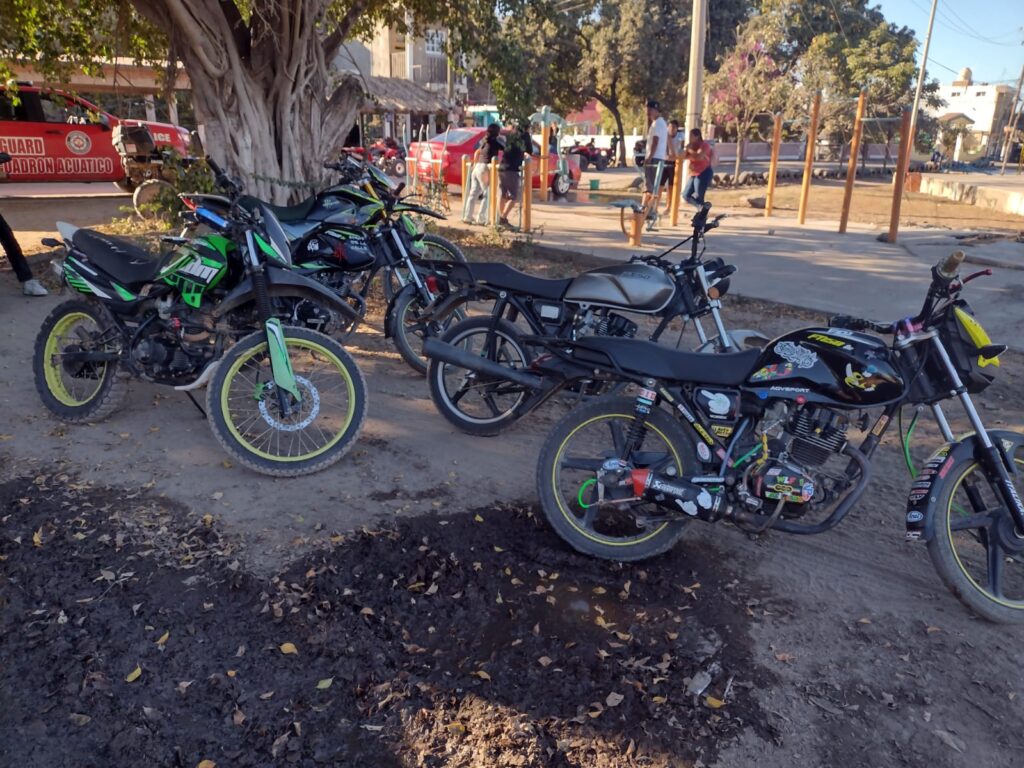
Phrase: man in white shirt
[657,151]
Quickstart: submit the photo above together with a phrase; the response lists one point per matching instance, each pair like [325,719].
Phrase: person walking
[657,151]
[488,148]
[29,285]
[517,146]
[700,154]
[674,158]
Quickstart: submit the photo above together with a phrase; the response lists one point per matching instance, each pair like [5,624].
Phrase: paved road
[61,189]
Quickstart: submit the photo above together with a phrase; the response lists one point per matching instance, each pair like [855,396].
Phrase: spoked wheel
[475,402]
[975,548]
[75,390]
[434,248]
[251,423]
[578,472]
[409,329]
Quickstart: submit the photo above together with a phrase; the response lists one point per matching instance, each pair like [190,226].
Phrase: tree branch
[240,33]
[334,41]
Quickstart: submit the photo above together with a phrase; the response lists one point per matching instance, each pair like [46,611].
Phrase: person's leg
[649,171]
[688,192]
[14,255]
[702,184]
[483,177]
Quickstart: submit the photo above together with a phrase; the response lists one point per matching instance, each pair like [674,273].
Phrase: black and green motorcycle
[282,400]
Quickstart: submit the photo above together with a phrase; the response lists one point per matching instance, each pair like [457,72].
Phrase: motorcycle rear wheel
[567,476]
[408,330]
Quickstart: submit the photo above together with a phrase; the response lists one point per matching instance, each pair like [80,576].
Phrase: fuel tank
[638,287]
[828,365]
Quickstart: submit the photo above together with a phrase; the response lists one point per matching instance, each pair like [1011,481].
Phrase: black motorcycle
[469,371]
[761,439]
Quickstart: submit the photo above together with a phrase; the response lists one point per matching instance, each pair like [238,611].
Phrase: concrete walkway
[810,266]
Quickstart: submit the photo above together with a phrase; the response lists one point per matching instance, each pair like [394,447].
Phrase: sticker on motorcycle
[774,371]
[799,356]
[865,380]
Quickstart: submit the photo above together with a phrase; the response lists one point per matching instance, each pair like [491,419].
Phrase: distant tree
[750,81]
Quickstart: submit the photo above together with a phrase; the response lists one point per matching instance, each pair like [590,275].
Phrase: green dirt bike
[281,400]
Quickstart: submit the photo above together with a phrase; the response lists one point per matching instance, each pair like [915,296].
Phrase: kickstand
[197,405]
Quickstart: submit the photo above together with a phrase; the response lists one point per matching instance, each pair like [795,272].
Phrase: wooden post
[636,228]
[851,168]
[527,194]
[677,188]
[773,167]
[492,216]
[812,139]
[545,140]
[901,173]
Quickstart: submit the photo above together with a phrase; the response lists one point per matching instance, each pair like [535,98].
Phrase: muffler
[449,354]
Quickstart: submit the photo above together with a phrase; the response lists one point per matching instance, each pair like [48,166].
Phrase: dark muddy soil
[130,635]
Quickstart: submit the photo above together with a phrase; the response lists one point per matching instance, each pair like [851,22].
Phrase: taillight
[189,202]
[432,284]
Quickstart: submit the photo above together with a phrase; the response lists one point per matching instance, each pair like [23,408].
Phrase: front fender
[284,283]
[923,499]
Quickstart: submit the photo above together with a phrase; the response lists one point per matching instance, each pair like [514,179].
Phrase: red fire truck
[57,136]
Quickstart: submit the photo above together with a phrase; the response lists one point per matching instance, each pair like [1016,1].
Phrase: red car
[56,136]
[452,146]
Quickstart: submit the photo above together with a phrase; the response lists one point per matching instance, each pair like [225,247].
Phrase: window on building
[980,93]
[435,40]
[955,93]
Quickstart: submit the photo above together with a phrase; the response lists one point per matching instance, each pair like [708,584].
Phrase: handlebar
[851,323]
[947,268]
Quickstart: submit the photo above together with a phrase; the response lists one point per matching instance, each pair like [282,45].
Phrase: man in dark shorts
[657,153]
[518,144]
[9,243]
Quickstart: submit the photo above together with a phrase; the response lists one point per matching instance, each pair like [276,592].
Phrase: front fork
[280,363]
[1000,466]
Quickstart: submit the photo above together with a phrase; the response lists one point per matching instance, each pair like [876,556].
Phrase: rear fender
[284,283]
[926,491]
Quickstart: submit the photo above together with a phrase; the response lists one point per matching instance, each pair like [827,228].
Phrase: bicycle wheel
[245,409]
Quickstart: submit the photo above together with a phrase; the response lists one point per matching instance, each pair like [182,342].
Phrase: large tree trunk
[739,155]
[273,109]
[612,105]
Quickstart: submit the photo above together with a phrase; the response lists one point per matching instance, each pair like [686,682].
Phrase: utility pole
[1015,114]
[920,75]
[694,93]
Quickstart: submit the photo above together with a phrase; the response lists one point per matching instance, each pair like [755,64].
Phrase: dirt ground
[454,628]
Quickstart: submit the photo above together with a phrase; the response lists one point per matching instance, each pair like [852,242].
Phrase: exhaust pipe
[449,354]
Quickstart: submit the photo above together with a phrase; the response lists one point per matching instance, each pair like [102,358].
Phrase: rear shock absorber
[645,400]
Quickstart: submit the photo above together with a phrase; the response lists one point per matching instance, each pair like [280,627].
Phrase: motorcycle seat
[284,213]
[649,358]
[126,262]
[504,277]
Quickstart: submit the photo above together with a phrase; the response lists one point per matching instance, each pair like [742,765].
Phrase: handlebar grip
[849,322]
[947,268]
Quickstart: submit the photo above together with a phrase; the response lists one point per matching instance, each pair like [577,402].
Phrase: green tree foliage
[261,70]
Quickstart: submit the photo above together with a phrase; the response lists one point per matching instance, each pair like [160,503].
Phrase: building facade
[987,107]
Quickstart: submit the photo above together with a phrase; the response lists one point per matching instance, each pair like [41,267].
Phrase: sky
[985,35]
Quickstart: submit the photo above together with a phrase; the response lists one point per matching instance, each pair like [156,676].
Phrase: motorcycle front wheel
[569,471]
[246,414]
[409,329]
[477,403]
[974,547]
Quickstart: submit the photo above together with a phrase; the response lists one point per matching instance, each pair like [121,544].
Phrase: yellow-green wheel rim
[52,366]
[1017,606]
[567,514]
[261,348]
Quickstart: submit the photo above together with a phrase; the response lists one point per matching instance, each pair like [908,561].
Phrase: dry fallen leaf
[785,658]
[163,638]
[79,719]
[478,518]
[217,495]
[659,699]
[544,661]
[864,620]
[206,764]
[498,549]
[232,672]
[598,590]
[37,538]
[238,717]
[134,675]
[367,611]
[267,695]
[288,649]
[481,674]
[614,699]
[207,519]
[714,703]
[930,630]
[325,683]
